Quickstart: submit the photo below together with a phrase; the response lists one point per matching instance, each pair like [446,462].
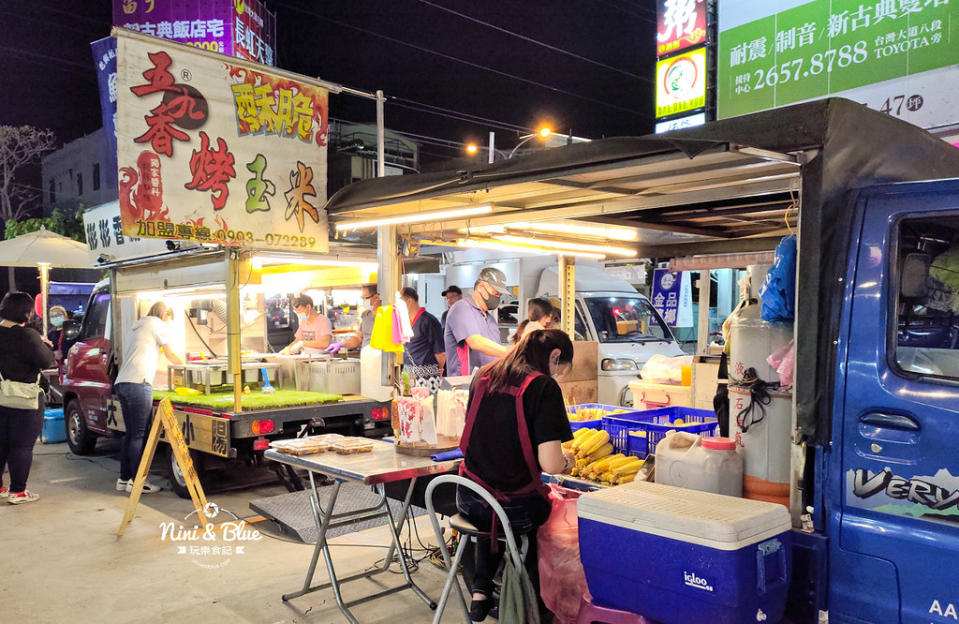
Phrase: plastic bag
[382,336]
[562,581]
[405,324]
[662,369]
[783,360]
[779,292]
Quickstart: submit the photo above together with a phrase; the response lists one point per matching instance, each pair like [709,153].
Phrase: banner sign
[898,57]
[682,24]
[104,232]
[241,28]
[673,297]
[105,58]
[217,152]
[681,83]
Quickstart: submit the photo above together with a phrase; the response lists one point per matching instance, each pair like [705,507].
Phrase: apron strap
[536,483]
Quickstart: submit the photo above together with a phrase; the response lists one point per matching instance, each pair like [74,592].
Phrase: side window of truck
[927,298]
[95,321]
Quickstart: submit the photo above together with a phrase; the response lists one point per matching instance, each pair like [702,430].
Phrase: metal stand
[325,520]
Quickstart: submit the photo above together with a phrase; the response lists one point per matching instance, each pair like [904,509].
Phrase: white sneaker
[123,485]
[4,491]
[148,488]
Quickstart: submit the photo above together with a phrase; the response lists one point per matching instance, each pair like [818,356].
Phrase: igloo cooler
[682,556]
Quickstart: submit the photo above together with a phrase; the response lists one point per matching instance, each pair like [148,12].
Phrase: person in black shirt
[507,445]
[23,354]
[425,355]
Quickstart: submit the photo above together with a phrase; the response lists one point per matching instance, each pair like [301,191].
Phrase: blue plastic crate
[597,423]
[654,424]
[53,428]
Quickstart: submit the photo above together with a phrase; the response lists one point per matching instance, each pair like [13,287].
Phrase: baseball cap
[452,289]
[495,278]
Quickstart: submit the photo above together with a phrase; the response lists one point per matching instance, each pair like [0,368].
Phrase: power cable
[462,61]
[457,118]
[478,119]
[30,54]
[630,11]
[534,41]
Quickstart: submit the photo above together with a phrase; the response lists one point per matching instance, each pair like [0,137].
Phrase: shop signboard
[897,57]
[682,24]
[242,28]
[105,59]
[217,151]
[673,297]
[696,119]
[681,83]
[103,227]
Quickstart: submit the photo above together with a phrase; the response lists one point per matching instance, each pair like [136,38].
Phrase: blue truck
[875,203]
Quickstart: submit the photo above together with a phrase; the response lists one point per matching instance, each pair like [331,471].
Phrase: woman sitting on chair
[515,426]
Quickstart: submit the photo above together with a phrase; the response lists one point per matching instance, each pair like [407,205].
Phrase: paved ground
[62,560]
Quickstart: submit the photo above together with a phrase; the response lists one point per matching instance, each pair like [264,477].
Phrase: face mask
[56,321]
[492,302]
[301,317]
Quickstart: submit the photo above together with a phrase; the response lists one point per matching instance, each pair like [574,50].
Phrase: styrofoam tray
[704,518]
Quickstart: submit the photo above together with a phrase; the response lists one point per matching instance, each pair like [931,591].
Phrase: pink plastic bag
[562,581]
[784,361]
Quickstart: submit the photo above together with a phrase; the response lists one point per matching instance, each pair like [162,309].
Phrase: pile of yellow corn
[595,459]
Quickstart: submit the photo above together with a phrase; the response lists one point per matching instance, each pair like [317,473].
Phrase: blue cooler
[53,429]
[682,556]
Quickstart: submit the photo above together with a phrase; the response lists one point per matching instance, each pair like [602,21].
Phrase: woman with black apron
[515,425]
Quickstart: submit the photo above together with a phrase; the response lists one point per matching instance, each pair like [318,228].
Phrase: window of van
[927,298]
[626,319]
[95,321]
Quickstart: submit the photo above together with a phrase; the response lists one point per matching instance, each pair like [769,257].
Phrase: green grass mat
[254,400]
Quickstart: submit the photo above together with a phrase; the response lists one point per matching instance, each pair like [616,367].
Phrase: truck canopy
[726,187]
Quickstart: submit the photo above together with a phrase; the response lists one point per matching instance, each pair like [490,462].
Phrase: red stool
[589,613]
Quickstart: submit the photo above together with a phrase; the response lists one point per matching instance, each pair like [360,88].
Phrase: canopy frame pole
[567,291]
[702,334]
[233,326]
[387,250]
[45,294]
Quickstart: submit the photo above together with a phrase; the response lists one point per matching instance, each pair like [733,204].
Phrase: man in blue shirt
[424,354]
[472,337]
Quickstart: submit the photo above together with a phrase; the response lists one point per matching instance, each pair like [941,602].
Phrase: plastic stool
[589,613]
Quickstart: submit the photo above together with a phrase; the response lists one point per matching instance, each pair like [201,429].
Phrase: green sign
[828,47]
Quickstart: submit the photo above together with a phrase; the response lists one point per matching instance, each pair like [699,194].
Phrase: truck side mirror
[71,331]
[915,272]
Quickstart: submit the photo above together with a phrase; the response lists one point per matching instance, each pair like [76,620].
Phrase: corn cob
[583,439]
[630,468]
[600,466]
[620,462]
[594,442]
[625,478]
[581,431]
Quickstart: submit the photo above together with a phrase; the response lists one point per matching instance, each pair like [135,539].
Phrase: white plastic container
[751,341]
[648,395]
[706,464]
[765,445]
[370,375]
[335,376]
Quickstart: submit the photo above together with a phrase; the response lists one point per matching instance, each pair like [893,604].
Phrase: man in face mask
[315,331]
[471,337]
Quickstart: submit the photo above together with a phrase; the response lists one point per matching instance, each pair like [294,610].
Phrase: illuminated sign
[681,83]
[688,121]
[896,57]
[682,24]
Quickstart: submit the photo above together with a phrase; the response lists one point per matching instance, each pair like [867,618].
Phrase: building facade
[77,174]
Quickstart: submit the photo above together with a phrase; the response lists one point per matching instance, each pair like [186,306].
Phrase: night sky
[48,77]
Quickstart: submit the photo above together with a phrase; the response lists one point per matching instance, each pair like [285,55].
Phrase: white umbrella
[44,249]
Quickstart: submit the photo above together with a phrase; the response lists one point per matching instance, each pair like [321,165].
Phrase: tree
[20,146]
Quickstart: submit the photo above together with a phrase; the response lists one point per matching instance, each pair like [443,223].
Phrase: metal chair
[469,532]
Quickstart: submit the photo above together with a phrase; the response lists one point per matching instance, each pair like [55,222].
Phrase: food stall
[739,187]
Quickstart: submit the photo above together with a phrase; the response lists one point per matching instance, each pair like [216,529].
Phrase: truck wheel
[79,438]
[177,482]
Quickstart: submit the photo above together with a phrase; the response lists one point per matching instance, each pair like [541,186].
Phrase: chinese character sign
[673,297]
[897,56]
[681,83]
[104,232]
[216,152]
[203,24]
[254,32]
[682,24]
[105,59]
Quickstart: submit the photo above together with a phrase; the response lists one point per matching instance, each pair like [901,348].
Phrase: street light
[471,148]
[543,133]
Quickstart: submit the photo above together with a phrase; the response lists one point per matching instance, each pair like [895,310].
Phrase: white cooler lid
[713,520]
